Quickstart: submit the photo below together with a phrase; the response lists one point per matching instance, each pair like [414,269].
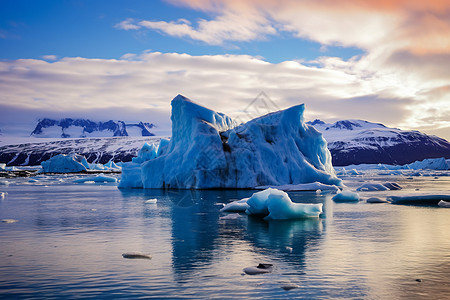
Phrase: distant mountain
[81,128]
[96,150]
[358,141]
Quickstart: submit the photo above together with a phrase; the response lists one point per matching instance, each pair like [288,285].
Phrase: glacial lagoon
[66,240]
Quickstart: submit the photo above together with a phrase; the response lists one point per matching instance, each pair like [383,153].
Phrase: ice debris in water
[151,201]
[9,221]
[234,216]
[346,196]
[372,187]
[2,195]
[379,186]
[443,203]
[259,269]
[209,150]
[376,200]
[236,206]
[289,286]
[136,255]
[4,182]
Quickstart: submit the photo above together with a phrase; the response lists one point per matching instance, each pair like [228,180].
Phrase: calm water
[69,239]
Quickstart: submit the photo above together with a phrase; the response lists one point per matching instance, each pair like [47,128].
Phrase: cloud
[414,25]
[141,85]
[50,57]
[228,27]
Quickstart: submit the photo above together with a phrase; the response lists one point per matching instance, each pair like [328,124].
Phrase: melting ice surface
[68,241]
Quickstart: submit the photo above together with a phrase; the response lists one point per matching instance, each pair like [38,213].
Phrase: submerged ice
[209,150]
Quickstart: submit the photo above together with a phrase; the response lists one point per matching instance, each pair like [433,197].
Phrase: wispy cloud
[145,83]
[224,28]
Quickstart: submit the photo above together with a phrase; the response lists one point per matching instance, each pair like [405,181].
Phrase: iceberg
[346,196]
[65,163]
[209,150]
[430,163]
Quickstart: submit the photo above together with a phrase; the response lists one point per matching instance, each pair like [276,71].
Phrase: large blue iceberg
[210,150]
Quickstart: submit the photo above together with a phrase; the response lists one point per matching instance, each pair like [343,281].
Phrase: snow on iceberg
[209,150]
[346,196]
[314,186]
[65,163]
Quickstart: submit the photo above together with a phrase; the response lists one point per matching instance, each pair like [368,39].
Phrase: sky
[384,61]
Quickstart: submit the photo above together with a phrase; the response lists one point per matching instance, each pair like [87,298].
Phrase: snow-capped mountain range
[349,141]
[96,150]
[81,128]
[358,141]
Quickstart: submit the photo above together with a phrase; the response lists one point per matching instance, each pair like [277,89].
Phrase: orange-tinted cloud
[418,26]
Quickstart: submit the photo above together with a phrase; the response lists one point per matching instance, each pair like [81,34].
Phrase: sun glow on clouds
[228,83]
[402,80]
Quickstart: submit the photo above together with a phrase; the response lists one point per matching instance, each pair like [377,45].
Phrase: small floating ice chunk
[288,249]
[234,216]
[276,205]
[259,269]
[346,196]
[99,178]
[376,200]
[136,255]
[4,182]
[9,221]
[151,201]
[3,195]
[443,203]
[289,286]
[372,187]
[236,206]
[392,186]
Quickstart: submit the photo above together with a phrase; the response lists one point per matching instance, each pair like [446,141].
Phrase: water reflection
[201,240]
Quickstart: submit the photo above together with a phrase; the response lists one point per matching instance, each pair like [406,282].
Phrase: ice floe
[346,196]
[419,199]
[98,179]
